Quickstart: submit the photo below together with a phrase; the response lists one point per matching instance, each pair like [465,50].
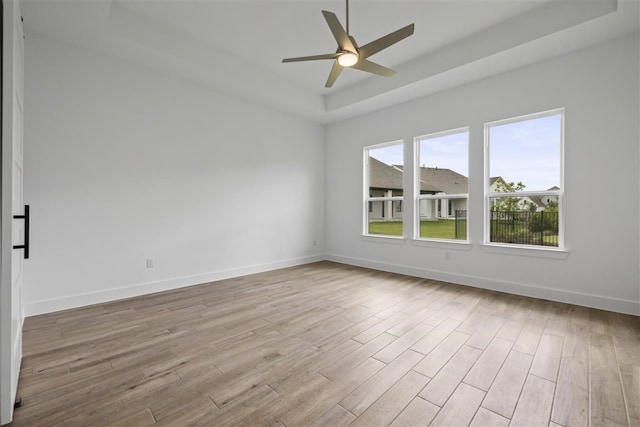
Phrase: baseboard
[587,300]
[81,300]
[134,290]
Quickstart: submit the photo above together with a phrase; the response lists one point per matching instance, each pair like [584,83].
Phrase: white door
[12,230]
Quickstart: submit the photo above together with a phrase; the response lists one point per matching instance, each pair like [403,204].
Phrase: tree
[511,204]
[546,220]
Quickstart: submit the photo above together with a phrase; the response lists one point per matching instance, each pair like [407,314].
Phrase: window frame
[365,190]
[419,197]
[488,195]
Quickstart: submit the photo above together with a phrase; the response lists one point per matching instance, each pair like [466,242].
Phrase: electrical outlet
[314,243]
[150,263]
[447,256]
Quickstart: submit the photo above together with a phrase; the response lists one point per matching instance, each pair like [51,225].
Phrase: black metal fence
[525,227]
[521,227]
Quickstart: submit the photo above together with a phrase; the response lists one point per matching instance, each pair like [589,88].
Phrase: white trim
[441,134]
[526,250]
[384,199]
[529,116]
[459,245]
[568,297]
[384,144]
[384,238]
[441,196]
[487,184]
[496,194]
[138,289]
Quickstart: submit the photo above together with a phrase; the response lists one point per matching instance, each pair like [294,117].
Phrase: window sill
[529,251]
[461,245]
[381,238]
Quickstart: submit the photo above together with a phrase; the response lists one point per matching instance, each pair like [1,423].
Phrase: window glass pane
[385,178]
[523,226]
[527,152]
[444,163]
[525,155]
[433,227]
[443,169]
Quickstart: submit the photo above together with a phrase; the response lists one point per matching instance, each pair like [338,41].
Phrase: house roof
[432,180]
[537,200]
[442,180]
[445,180]
[382,175]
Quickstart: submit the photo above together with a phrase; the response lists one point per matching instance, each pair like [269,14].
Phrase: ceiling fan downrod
[348,18]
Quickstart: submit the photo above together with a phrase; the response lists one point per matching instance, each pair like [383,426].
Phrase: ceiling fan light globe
[348,59]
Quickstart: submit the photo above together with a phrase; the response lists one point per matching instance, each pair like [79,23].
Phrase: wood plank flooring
[330,345]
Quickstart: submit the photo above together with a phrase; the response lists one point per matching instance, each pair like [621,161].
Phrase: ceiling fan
[349,54]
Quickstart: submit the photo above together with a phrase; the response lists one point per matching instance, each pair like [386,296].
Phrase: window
[524,180]
[383,188]
[442,185]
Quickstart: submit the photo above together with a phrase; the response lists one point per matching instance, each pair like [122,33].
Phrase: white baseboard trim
[108,295]
[587,300]
[80,300]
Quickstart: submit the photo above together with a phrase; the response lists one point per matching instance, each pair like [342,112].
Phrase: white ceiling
[236,47]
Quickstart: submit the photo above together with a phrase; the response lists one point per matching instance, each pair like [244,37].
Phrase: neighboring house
[493,183]
[540,202]
[547,200]
[445,181]
[386,181]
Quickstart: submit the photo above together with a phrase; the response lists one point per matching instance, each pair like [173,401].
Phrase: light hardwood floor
[330,345]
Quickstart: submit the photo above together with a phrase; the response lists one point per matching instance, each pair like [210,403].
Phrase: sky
[446,152]
[527,151]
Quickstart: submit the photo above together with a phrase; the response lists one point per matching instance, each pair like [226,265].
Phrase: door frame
[11,305]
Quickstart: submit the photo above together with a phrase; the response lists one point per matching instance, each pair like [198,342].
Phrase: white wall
[123,165]
[599,89]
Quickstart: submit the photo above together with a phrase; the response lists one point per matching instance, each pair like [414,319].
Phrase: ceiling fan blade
[385,41]
[338,31]
[333,75]
[311,58]
[372,67]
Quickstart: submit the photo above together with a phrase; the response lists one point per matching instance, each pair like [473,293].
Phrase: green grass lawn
[445,229]
[393,228]
[441,229]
